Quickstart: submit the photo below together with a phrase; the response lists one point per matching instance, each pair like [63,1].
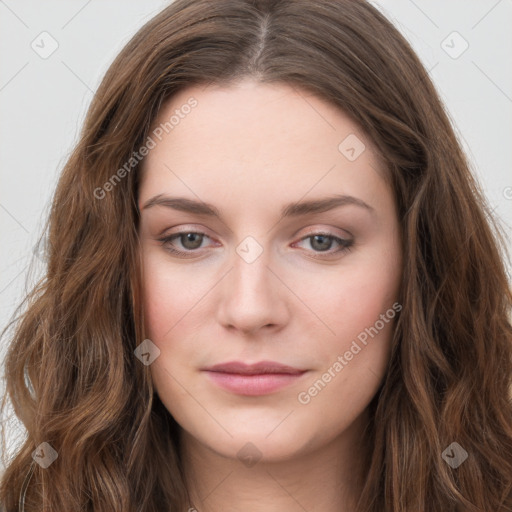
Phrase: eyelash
[346,245]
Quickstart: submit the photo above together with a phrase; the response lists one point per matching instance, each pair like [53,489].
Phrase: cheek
[173,314]
[354,361]
[350,299]
[358,305]
[166,299]
[168,296]
[159,308]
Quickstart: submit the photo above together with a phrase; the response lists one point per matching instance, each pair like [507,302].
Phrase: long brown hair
[71,373]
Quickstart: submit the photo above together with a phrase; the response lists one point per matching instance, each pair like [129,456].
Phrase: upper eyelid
[204,231]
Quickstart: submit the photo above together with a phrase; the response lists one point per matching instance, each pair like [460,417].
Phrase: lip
[262,367]
[253,379]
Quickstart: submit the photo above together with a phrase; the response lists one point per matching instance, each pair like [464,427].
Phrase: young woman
[272,283]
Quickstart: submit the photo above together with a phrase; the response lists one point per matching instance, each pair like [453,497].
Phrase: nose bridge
[250,274]
[250,295]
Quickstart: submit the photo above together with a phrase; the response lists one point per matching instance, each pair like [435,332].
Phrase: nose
[252,296]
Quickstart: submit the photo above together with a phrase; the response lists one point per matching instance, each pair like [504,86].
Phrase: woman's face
[252,283]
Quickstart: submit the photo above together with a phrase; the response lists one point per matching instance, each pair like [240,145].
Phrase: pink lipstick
[253,379]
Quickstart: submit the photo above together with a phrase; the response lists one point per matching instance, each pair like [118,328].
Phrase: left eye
[322,242]
[192,240]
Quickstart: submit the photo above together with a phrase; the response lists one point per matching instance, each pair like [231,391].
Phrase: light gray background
[43,100]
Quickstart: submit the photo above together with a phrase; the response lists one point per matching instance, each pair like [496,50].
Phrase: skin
[250,148]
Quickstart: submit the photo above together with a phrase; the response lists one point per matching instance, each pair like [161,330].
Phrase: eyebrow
[295,209]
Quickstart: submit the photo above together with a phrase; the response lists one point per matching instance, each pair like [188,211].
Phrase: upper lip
[261,367]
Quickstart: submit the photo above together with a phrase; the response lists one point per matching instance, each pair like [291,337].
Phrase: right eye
[189,240]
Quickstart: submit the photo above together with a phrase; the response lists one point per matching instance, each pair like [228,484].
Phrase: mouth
[253,379]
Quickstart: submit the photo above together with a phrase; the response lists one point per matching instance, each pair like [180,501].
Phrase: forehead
[265,140]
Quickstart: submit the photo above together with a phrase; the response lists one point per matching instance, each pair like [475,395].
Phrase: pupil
[325,244]
[189,237]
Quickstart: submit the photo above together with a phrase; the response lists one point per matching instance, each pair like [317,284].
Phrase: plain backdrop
[465,44]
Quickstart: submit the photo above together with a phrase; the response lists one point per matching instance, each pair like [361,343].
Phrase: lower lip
[253,385]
